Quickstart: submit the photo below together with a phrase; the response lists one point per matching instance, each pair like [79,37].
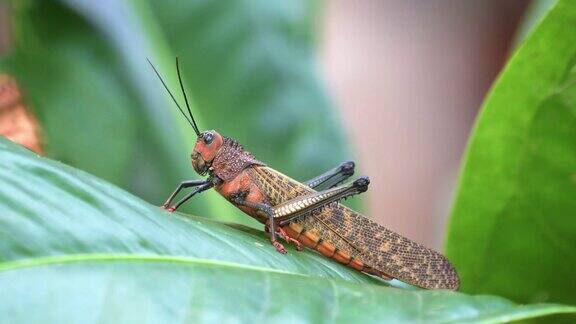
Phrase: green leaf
[75,248]
[513,228]
[136,289]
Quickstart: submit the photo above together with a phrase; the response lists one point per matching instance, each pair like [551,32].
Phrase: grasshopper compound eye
[208,138]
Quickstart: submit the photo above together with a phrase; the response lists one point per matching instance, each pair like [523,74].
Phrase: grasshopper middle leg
[270,224]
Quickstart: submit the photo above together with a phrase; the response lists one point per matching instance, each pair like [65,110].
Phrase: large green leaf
[513,230]
[136,289]
[75,248]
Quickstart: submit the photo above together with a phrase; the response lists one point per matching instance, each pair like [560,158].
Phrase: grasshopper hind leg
[334,177]
[301,205]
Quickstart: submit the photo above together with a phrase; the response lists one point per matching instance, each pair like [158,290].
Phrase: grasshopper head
[205,150]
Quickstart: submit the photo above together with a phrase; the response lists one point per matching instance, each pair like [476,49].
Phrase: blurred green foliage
[115,258]
[248,66]
[513,230]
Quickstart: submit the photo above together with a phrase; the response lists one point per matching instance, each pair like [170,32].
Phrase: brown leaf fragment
[16,121]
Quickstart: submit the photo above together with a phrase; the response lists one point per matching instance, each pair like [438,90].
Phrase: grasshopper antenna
[172,96]
[185,97]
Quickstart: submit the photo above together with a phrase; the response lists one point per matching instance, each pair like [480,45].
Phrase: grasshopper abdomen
[355,240]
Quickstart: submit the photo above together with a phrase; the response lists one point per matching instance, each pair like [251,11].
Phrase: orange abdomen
[314,242]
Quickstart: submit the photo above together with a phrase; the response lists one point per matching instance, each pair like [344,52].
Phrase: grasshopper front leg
[182,185]
[198,189]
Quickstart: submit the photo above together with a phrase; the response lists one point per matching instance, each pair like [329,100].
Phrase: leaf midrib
[105,257]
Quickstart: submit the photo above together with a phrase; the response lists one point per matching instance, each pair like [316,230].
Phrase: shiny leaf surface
[137,289]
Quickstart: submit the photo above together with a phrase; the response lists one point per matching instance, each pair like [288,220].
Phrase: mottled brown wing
[378,247]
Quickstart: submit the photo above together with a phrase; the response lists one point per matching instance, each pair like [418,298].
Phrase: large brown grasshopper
[304,214]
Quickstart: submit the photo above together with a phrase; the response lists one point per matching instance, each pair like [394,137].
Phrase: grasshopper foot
[288,239]
[361,184]
[347,168]
[170,209]
[279,247]
[283,235]
[299,246]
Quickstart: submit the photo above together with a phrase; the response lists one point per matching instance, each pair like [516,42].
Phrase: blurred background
[304,85]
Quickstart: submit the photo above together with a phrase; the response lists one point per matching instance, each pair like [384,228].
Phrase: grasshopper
[308,214]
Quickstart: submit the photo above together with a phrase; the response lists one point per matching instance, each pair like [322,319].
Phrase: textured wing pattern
[378,247]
